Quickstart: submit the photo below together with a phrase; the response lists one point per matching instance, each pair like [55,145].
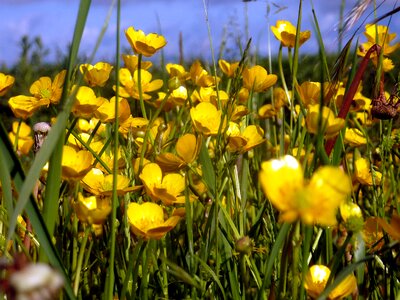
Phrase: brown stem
[348,97]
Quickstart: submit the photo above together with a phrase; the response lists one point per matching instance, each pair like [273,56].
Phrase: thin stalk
[140,89]
[110,277]
[82,252]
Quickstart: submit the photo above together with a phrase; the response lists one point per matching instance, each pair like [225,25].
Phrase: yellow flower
[317,278]
[106,111]
[267,111]
[354,137]
[168,187]
[330,125]
[206,118]
[22,135]
[352,216]
[309,92]
[200,77]
[252,136]
[143,44]
[314,202]
[25,106]
[97,183]
[132,63]
[75,164]
[130,83]
[147,220]
[187,149]
[86,102]
[92,209]
[227,68]
[285,32]
[96,75]
[378,34]
[134,126]
[6,83]
[45,89]
[177,71]
[364,174]
[257,79]
[392,228]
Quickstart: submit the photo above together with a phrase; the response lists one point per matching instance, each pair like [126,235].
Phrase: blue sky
[53,21]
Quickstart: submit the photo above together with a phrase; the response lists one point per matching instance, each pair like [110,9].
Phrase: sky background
[230,20]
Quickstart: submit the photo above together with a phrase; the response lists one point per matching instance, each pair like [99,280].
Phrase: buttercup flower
[364,174]
[168,187]
[330,125]
[317,278]
[285,32]
[314,202]
[22,135]
[130,83]
[354,137]
[143,44]
[177,71]
[25,106]
[227,68]
[6,83]
[98,183]
[352,216]
[206,118]
[44,88]
[252,136]
[200,77]
[86,102]
[257,79]
[92,209]
[147,220]
[96,75]
[75,164]
[132,63]
[378,34]
[187,149]
[106,111]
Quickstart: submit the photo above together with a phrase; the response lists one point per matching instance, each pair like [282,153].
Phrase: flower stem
[82,252]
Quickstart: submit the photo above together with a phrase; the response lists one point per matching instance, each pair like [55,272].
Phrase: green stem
[82,252]
[139,79]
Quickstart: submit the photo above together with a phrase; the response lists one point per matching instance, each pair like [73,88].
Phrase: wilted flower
[6,83]
[96,75]
[75,163]
[330,125]
[206,118]
[317,278]
[143,44]
[364,174]
[257,79]
[314,202]
[21,134]
[392,228]
[93,209]
[286,33]
[147,220]
[165,187]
